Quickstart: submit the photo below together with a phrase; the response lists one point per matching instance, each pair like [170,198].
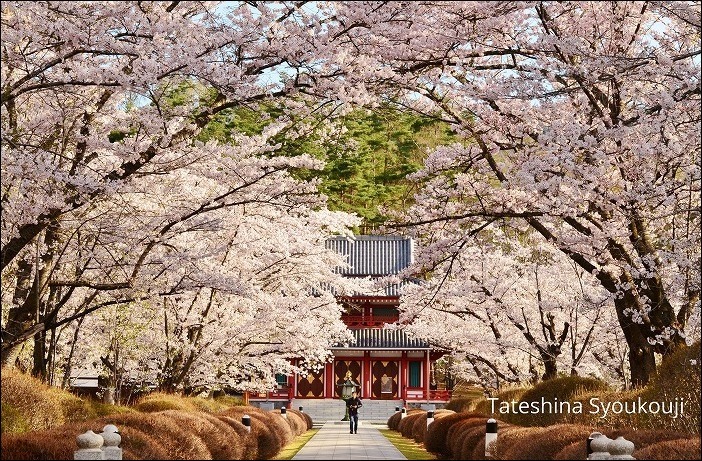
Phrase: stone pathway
[333,441]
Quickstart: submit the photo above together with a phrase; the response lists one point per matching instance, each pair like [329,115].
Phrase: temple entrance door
[311,386]
[385,375]
[340,369]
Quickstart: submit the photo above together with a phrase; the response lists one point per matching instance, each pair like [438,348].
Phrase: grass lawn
[293,447]
[408,447]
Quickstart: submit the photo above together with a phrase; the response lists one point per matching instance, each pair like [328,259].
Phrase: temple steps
[321,410]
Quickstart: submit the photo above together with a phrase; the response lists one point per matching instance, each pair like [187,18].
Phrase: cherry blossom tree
[109,201]
[195,243]
[580,121]
[241,314]
[578,124]
[514,311]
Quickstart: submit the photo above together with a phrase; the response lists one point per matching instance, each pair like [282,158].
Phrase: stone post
[300,408]
[404,413]
[284,412]
[588,449]
[430,417]
[246,421]
[490,436]
[620,448]
[89,446]
[397,409]
[111,439]
[599,446]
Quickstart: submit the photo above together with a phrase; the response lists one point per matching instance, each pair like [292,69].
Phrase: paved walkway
[333,441]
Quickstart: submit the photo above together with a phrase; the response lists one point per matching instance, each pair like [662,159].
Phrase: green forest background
[368,154]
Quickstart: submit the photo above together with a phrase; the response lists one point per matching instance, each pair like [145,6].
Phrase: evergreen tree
[367,156]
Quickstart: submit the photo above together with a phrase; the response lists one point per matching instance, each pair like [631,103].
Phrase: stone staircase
[322,410]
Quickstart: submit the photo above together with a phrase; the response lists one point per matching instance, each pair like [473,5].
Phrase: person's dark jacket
[353,404]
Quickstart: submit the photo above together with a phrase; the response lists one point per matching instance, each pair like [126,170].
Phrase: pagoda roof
[373,255]
[382,338]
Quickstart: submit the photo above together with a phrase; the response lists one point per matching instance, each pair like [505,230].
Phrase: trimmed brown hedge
[305,417]
[159,401]
[549,442]
[435,439]
[679,375]
[419,429]
[60,443]
[297,423]
[648,444]
[37,445]
[407,423]
[136,444]
[462,404]
[294,421]
[269,435]
[179,442]
[645,437]
[27,404]
[671,449]
[509,438]
[249,443]
[394,420]
[273,430]
[167,435]
[457,433]
[239,411]
[221,440]
[459,436]
[576,450]
[210,405]
[443,412]
[472,443]
[139,445]
[281,427]
[479,443]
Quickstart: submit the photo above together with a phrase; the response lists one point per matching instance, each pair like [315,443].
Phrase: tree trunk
[39,369]
[26,315]
[550,367]
[20,316]
[642,361]
[69,360]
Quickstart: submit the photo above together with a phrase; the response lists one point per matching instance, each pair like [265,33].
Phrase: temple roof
[389,290]
[374,255]
[380,338]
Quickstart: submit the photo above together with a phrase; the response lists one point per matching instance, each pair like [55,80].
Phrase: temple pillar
[426,375]
[366,376]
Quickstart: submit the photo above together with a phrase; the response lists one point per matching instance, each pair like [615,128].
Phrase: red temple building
[390,368]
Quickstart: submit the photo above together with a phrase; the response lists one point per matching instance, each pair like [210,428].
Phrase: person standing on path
[353,404]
